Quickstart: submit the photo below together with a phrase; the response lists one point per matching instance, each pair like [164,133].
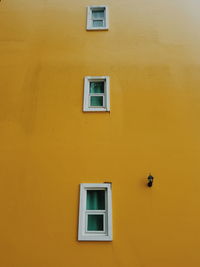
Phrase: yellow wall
[48,145]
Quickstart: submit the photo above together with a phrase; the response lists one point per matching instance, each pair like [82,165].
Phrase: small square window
[96,101]
[96,94]
[95,222]
[97,18]
[95,200]
[95,212]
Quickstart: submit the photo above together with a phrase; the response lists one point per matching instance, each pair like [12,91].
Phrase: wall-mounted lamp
[150,180]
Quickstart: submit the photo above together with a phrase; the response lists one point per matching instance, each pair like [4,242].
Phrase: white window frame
[87,95]
[89,18]
[106,234]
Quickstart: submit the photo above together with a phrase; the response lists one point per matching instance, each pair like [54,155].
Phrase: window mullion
[95,211]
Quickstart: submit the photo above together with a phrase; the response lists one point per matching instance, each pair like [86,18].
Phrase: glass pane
[95,223]
[98,23]
[97,87]
[96,101]
[95,199]
[98,14]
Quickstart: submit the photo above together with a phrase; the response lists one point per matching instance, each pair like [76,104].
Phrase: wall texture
[48,145]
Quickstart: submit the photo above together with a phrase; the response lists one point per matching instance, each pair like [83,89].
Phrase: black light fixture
[150,180]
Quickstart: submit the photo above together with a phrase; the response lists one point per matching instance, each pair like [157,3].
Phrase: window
[95,212]
[96,94]
[97,18]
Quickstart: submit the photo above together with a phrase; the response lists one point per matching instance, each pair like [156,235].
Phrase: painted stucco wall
[49,146]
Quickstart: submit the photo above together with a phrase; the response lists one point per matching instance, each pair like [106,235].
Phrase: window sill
[97,29]
[96,110]
[94,238]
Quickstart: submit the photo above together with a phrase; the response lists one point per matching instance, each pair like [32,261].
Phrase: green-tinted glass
[98,23]
[96,87]
[96,101]
[95,200]
[98,14]
[95,222]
